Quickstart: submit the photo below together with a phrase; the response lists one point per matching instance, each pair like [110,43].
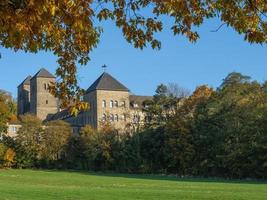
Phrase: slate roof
[107,82]
[43,73]
[59,115]
[26,81]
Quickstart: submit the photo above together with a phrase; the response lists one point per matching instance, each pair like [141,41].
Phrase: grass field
[30,184]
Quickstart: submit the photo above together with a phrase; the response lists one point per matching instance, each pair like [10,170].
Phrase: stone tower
[24,96]
[42,103]
[109,101]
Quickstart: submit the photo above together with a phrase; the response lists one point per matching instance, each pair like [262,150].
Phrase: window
[46,101]
[111,104]
[104,117]
[111,117]
[103,104]
[14,129]
[46,85]
[116,118]
[123,104]
[124,117]
[136,118]
[116,104]
[135,105]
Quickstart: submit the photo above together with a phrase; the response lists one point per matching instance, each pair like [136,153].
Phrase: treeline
[213,133]
[8,110]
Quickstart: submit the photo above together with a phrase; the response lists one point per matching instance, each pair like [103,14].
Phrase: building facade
[108,99]
[34,97]
[23,102]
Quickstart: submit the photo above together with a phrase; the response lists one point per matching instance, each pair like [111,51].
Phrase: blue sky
[206,62]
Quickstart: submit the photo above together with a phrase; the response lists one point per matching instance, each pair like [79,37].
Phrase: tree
[100,149]
[70,28]
[177,91]
[163,105]
[3,117]
[264,87]
[7,110]
[229,130]
[54,140]
[28,141]
[89,145]
[234,78]
[3,149]
[9,158]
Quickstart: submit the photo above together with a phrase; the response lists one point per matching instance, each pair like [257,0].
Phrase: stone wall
[42,102]
[23,103]
[111,113]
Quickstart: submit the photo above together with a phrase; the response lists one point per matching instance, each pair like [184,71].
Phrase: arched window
[111,117]
[123,104]
[116,118]
[116,104]
[111,104]
[103,104]
[45,86]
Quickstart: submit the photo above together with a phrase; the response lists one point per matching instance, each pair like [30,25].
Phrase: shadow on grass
[160,177]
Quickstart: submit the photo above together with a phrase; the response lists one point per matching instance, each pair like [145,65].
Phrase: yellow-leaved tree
[68,28]
[9,158]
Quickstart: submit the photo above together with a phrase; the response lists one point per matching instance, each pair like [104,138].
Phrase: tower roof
[107,82]
[26,81]
[43,73]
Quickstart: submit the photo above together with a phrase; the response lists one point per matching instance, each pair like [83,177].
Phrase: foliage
[219,133]
[213,133]
[9,158]
[98,147]
[69,28]
[3,117]
[28,141]
[227,129]
[7,110]
[162,107]
[3,149]
[54,139]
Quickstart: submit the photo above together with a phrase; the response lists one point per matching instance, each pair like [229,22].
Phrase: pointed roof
[43,73]
[26,81]
[107,82]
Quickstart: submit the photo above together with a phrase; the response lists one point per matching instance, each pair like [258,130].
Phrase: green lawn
[29,184]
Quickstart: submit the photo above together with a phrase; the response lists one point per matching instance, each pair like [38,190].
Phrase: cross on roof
[104,67]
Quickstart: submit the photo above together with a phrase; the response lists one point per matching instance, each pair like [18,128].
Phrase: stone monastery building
[108,99]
